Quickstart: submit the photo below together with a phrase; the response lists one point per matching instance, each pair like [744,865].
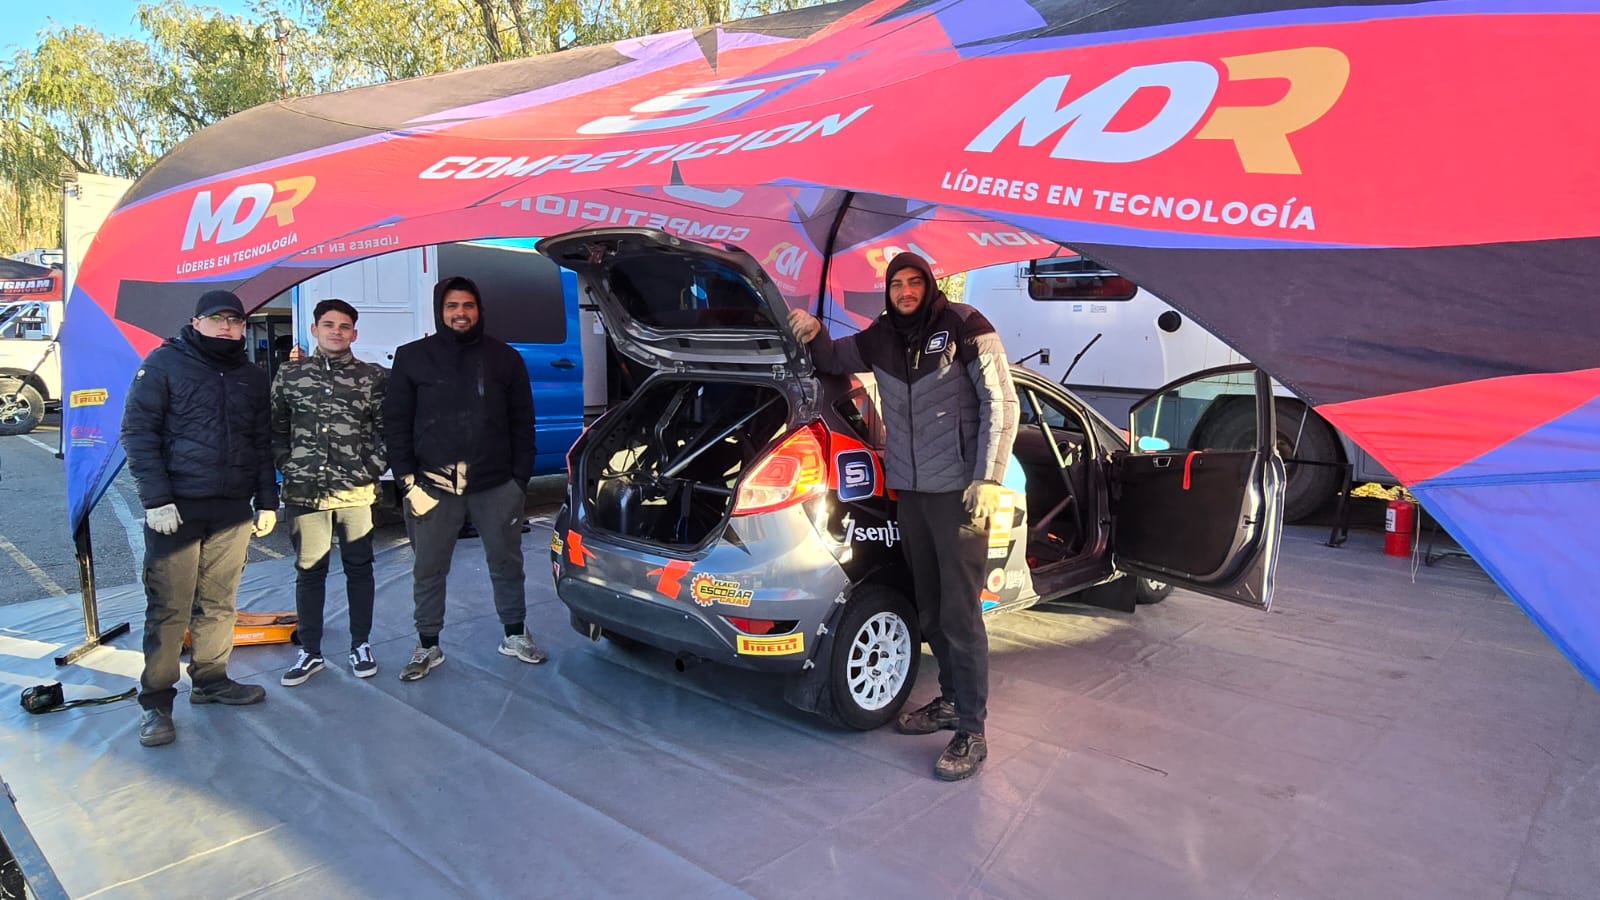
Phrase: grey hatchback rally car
[733,509]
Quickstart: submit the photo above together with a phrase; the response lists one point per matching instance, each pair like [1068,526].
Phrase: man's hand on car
[163,519]
[982,499]
[803,325]
[418,501]
[266,520]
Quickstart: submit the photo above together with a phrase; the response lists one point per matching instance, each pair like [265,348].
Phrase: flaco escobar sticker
[787,645]
[707,590]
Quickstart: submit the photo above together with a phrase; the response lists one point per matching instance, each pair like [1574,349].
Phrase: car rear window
[676,292]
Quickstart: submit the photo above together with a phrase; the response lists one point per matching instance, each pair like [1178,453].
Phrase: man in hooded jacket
[458,425]
[197,431]
[950,416]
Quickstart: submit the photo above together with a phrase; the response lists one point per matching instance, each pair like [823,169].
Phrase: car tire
[876,652]
[1148,590]
[1306,488]
[21,406]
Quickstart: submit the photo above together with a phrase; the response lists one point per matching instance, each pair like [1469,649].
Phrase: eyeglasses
[220,319]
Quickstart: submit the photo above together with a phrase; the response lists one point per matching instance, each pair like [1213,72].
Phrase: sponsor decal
[1014,578]
[607,214]
[669,578]
[243,209]
[89,397]
[1000,525]
[785,260]
[707,590]
[887,534]
[25,285]
[1315,79]
[689,105]
[879,257]
[787,645]
[555,543]
[988,600]
[858,475]
[86,436]
[996,580]
[937,342]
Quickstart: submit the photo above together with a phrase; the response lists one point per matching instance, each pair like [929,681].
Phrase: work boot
[939,715]
[962,758]
[156,728]
[229,692]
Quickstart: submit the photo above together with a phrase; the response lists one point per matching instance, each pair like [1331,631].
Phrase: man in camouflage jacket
[327,440]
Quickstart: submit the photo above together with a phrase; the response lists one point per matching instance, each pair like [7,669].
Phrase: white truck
[1048,311]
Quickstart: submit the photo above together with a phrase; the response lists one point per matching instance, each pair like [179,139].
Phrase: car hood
[675,304]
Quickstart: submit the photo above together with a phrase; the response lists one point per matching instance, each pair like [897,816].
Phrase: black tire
[1307,488]
[1148,590]
[875,615]
[21,407]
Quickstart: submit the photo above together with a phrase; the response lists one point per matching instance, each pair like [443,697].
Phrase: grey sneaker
[939,715]
[306,666]
[522,647]
[362,663]
[156,728]
[229,692]
[423,661]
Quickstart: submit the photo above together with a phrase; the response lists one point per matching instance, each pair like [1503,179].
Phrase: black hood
[912,328]
[445,286]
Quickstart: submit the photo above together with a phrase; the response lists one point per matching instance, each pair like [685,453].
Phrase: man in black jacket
[458,423]
[196,429]
[950,417]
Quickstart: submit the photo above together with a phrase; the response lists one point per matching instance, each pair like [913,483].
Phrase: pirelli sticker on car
[787,645]
[555,543]
[1000,525]
[706,590]
[90,397]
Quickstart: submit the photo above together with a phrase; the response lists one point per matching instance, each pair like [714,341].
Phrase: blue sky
[22,21]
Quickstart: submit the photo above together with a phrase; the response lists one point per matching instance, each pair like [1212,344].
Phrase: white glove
[982,499]
[418,501]
[803,325]
[266,520]
[163,519]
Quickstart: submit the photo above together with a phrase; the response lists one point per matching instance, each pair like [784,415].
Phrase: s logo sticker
[858,477]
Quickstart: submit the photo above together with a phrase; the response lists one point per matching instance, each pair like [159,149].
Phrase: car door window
[1217,412]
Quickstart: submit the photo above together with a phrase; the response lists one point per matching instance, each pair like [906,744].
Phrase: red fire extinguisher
[1399,518]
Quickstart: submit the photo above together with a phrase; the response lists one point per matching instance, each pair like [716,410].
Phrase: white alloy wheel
[879,661]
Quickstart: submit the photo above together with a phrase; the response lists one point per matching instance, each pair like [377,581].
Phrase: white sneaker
[304,667]
[361,661]
[522,647]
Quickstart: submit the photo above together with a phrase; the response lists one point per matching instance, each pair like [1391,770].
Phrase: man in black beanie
[458,425]
[197,432]
[950,417]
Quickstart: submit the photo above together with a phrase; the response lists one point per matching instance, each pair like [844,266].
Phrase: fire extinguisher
[1399,519]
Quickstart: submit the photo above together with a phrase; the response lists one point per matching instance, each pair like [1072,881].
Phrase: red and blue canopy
[1392,207]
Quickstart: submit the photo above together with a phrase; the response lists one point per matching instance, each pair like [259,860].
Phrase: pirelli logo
[91,397]
[787,645]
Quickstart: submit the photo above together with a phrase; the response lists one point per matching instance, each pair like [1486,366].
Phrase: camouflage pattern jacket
[327,430]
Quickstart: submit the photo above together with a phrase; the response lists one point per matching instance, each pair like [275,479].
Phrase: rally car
[733,509]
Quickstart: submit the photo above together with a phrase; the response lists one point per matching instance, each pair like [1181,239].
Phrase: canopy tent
[1389,206]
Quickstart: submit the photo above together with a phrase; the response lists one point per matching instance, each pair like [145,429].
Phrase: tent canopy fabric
[1389,206]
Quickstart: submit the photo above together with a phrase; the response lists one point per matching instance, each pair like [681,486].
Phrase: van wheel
[1306,488]
[21,407]
[876,651]
[1149,590]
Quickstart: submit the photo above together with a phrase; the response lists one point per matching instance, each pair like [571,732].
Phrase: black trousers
[191,581]
[946,551]
[311,531]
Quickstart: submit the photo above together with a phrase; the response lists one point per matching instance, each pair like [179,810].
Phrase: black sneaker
[962,757]
[306,666]
[228,691]
[939,715]
[156,728]
[361,661]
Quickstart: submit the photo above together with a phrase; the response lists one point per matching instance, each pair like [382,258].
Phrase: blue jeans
[311,531]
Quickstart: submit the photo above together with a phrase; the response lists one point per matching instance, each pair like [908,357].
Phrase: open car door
[1197,500]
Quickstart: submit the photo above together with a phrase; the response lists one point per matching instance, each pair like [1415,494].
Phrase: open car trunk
[665,469]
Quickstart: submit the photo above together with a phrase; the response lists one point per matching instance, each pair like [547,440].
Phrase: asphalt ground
[36,549]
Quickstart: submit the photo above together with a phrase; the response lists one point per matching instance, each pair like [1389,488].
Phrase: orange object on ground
[262,628]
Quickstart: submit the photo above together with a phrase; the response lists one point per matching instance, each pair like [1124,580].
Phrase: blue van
[532,304]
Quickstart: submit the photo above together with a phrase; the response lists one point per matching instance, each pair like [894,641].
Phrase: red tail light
[795,470]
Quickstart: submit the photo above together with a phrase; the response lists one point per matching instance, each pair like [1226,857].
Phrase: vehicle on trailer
[733,509]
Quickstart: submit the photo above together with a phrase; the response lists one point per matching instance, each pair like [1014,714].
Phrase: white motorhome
[1111,342]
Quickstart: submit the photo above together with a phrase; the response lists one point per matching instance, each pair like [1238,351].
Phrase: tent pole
[827,249]
[92,635]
